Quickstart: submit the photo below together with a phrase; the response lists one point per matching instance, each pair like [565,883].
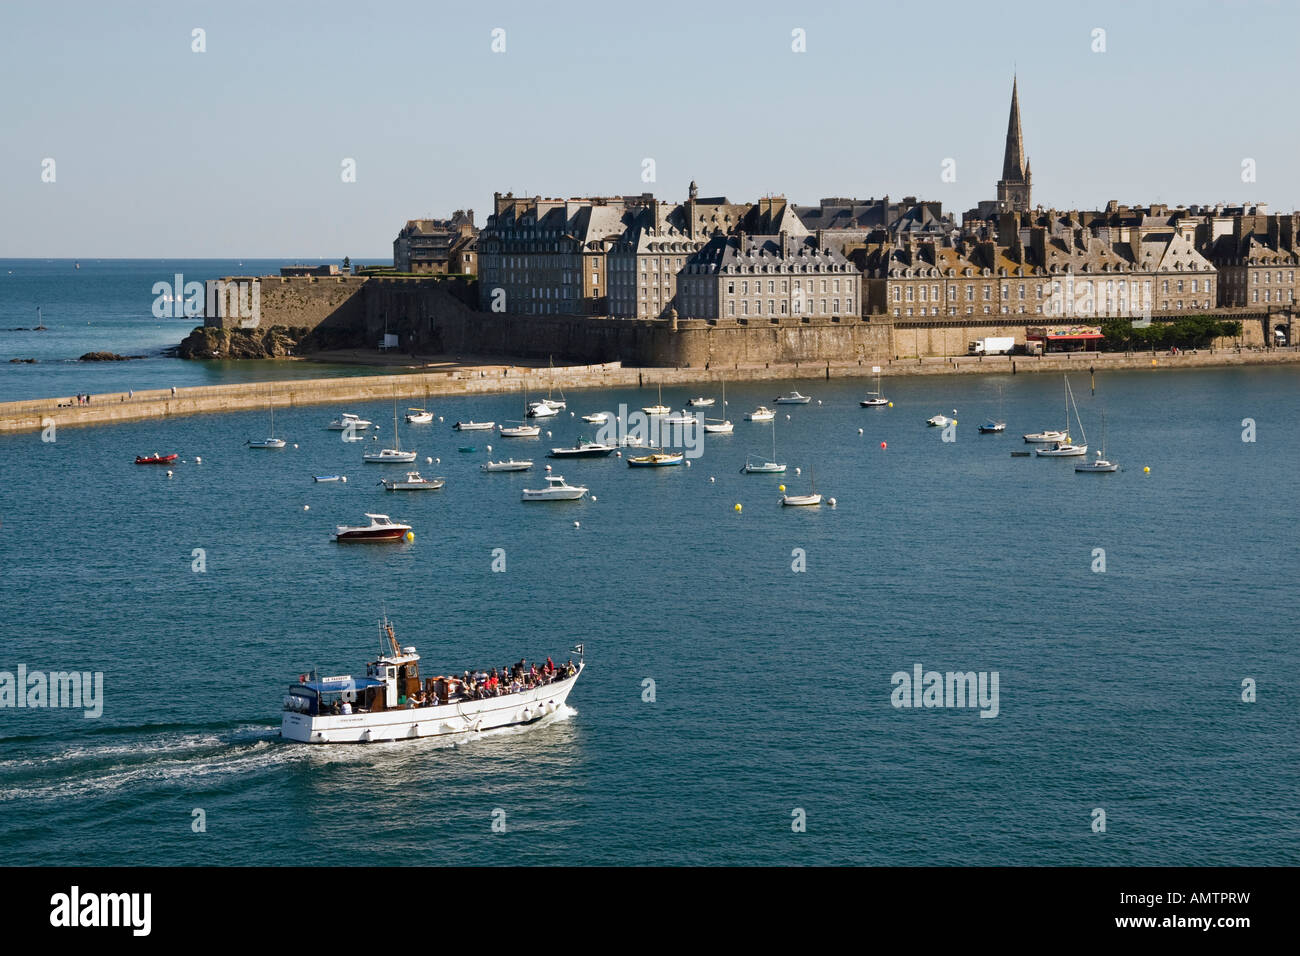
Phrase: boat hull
[386,534]
[801,501]
[402,458]
[474,426]
[1073,451]
[600,452]
[446,720]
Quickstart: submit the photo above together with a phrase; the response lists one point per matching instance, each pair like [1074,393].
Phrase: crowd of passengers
[478,685]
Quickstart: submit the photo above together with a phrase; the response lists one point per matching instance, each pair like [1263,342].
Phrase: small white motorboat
[596,418]
[1098,466]
[381,528]
[474,426]
[700,403]
[389,456]
[1046,438]
[991,427]
[718,427]
[520,431]
[542,410]
[1062,449]
[792,398]
[510,465]
[557,489]
[272,443]
[685,418]
[414,482]
[942,421]
[348,421]
[329,478]
[585,449]
[761,414]
[418,416]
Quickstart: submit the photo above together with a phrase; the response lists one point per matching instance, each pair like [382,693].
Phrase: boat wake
[176,755]
[117,758]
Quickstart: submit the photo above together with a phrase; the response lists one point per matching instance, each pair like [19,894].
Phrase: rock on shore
[210,343]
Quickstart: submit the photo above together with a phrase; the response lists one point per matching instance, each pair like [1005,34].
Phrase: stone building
[646,261]
[547,256]
[766,277]
[438,246]
[1258,262]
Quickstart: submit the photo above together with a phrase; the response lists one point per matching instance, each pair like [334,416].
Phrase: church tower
[1014,186]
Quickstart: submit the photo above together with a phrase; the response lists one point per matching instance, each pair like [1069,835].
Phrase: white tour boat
[510,465]
[413,482]
[391,702]
[556,490]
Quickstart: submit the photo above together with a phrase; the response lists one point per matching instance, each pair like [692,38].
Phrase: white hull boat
[1046,438]
[794,398]
[414,482]
[718,428]
[347,421]
[761,414]
[1099,466]
[381,528]
[685,418]
[801,500]
[556,490]
[273,444]
[700,403]
[942,421]
[597,418]
[874,402]
[510,465]
[542,410]
[389,456]
[418,416]
[474,426]
[521,431]
[1062,449]
[376,707]
[657,410]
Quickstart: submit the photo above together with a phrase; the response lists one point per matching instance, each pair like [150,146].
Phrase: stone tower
[1014,186]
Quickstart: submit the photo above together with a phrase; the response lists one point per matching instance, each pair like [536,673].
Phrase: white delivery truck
[993,345]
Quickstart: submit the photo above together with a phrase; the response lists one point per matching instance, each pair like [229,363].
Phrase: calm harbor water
[106,305]
[1119,690]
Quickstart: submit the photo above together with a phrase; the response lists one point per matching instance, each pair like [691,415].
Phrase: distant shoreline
[457,378]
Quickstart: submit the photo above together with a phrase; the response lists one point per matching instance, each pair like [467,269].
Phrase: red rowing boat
[155,459]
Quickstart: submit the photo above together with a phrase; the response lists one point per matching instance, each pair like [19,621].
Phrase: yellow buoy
[891,404]
[1146,469]
[410,536]
[738,508]
[780,487]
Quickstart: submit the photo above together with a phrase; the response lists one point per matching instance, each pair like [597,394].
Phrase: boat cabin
[388,684]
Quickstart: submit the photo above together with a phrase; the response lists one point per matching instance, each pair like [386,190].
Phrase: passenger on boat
[346,708]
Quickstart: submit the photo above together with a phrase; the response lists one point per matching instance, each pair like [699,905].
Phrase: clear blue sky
[237,151]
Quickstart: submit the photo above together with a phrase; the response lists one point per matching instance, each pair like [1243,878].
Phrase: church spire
[1013,187]
[1013,163]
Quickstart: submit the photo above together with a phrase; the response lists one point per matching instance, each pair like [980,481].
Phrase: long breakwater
[117,407]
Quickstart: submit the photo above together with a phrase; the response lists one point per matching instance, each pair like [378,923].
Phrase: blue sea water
[106,305]
[1118,690]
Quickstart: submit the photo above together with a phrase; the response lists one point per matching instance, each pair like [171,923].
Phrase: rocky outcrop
[107,357]
[278,341]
